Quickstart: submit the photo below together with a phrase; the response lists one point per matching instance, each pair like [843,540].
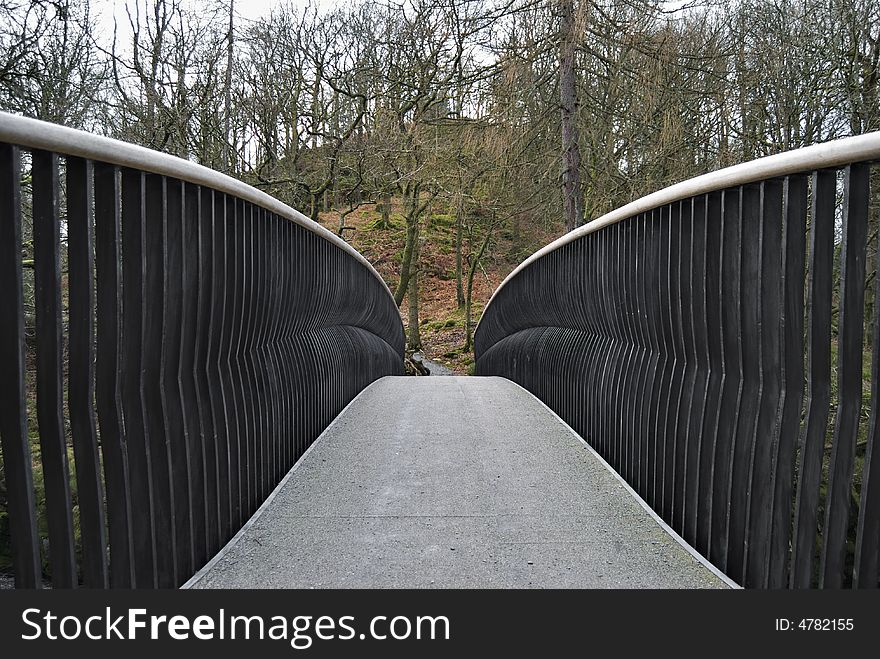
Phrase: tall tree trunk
[386,210]
[572,199]
[316,106]
[314,206]
[411,201]
[414,339]
[459,289]
[469,296]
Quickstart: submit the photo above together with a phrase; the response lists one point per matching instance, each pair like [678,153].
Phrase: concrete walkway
[457,482]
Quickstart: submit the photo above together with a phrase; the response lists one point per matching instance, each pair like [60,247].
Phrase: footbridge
[459,482]
[200,387]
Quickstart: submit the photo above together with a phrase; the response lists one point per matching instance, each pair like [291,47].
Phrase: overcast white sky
[103,11]
[248,9]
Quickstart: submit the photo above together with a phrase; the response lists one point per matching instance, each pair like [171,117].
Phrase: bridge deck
[452,482]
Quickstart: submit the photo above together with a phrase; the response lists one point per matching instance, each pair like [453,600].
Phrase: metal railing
[186,335]
[714,342]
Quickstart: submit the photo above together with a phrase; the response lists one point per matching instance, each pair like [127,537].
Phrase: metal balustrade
[709,341]
[192,337]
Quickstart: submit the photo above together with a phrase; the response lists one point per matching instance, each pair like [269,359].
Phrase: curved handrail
[809,158]
[36,134]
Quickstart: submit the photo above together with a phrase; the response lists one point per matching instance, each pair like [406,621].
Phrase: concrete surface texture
[456,482]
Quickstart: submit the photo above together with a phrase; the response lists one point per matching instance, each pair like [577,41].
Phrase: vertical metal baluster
[602,414]
[188,372]
[50,370]
[616,358]
[593,273]
[613,293]
[240,321]
[254,363]
[676,381]
[277,425]
[610,435]
[245,390]
[554,342]
[283,312]
[294,259]
[265,363]
[280,345]
[611,449]
[620,345]
[731,379]
[581,352]
[257,355]
[297,260]
[659,256]
[638,276]
[217,359]
[307,365]
[274,419]
[684,339]
[109,372]
[654,270]
[139,468]
[793,253]
[81,378]
[154,313]
[264,367]
[631,367]
[750,335]
[812,439]
[335,338]
[293,305]
[237,515]
[592,315]
[17,461]
[865,569]
[254,411]
[699,358]
[759,499]
[856,197]
[280,349]
[628,364]
[642,275]
[561,359]
[276,375]
[206,382]
[178,441]
[664,410]
[246,368]
[585,352]
[260,426]
[318,379]
[325,255]
[263,311]
[714,338]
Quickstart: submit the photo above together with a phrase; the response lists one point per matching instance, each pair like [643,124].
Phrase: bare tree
[49,68]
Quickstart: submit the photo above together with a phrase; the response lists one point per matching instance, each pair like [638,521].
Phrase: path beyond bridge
[453,482]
